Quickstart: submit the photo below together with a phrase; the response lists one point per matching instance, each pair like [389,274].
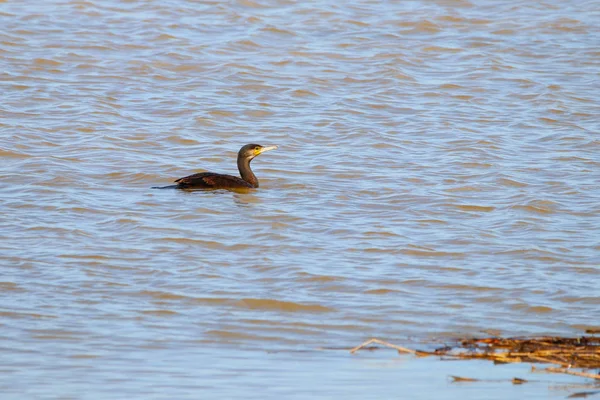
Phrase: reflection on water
[437,176]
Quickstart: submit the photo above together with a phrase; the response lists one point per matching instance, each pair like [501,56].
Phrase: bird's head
[250,151]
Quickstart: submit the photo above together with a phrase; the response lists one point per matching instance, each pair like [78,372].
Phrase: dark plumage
[211,180]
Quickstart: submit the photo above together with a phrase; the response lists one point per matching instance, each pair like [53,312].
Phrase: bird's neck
[246,172]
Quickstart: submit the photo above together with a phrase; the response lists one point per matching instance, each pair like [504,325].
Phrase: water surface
[437,176]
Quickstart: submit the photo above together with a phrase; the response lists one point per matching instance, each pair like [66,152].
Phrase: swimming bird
[211,180]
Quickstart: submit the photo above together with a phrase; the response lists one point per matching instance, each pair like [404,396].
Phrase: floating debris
[571,355]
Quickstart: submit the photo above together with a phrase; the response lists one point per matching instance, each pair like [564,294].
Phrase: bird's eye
[257,148]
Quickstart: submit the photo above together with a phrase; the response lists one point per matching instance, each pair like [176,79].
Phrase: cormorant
[211,180]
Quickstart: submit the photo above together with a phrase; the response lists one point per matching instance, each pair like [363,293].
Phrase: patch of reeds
[573,356]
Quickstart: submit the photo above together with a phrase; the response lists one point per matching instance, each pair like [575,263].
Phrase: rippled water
[438,175]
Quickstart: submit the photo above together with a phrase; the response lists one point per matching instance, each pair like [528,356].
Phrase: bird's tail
[165,187]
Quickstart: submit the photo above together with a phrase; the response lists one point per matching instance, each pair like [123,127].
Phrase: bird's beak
[266,148]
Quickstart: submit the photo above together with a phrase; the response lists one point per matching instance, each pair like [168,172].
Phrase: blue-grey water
[437,176]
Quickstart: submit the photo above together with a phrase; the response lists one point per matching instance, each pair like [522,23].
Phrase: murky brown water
[438,175]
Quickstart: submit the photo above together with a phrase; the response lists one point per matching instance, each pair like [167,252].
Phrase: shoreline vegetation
[578,356]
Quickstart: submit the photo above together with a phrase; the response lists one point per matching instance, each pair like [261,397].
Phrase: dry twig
[383,343]
[571,372]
